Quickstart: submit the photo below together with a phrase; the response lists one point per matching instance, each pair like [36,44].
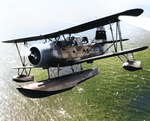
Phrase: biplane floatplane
[62,49]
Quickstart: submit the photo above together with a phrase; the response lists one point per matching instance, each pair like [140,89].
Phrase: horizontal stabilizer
[107,42]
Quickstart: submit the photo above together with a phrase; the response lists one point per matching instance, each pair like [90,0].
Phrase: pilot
[72,41]
[85,40]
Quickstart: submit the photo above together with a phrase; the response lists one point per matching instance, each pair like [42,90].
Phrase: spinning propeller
[34,57]
[141,22]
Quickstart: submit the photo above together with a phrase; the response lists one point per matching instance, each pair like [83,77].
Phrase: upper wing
[81,27]
[111,54]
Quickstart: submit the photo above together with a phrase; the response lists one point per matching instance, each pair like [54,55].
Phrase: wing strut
[58,70]
[118,33]
[24,75]
[20,54]
[115,45]
[22,61]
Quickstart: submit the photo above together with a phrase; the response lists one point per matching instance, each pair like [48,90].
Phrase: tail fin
[101,34]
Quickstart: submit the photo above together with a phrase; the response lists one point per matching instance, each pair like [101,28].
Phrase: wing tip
[135,11]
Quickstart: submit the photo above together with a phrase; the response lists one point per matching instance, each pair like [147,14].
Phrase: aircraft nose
[34,57]
[40,55]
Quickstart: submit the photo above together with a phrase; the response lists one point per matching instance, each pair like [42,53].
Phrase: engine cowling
[40,55]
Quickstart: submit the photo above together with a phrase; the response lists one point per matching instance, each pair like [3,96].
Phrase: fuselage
[63,53]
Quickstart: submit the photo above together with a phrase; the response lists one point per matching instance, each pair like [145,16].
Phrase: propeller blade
[25,51]
[35,56]
[141,22]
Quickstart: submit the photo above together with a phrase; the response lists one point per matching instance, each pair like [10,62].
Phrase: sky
[24,18]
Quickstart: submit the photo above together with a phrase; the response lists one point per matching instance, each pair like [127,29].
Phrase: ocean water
[16,107]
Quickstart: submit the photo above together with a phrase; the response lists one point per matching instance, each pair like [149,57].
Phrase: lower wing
[89,60]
